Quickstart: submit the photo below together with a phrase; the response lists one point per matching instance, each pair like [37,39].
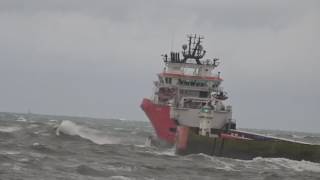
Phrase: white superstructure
[192,89]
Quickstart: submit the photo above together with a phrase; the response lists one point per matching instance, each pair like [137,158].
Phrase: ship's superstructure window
[191,103]
[168,80]
[190,71]
[166,93]
[197,83]
[194,93]
[203,94]
[161,79]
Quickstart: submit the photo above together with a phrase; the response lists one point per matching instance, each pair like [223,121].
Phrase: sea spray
[70,128]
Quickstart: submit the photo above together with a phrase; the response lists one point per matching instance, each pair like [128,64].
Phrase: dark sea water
[48,147]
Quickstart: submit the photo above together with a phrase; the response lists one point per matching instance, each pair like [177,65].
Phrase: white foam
[147,143]
[73,129]
[219,164]
[295,165]
[21,119]
[33,126]
[278,163]
[141,145]
[9,152]
[9,129]
[120,178]
[36,144]
[120,168]
[226,166]
[167,152]
[298,136]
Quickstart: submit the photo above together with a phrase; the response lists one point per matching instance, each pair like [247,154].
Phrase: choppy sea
[66,148]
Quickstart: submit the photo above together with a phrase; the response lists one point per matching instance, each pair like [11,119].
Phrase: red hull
[182,137]
[159,116]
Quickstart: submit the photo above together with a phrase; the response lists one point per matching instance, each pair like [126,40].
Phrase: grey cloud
[247,13]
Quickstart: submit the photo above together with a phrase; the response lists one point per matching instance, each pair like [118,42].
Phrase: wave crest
[70,128]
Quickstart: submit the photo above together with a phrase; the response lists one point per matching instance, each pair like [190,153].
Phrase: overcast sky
[99,58]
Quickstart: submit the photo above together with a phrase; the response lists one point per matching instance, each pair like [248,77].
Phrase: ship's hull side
[244,148]
[159,116]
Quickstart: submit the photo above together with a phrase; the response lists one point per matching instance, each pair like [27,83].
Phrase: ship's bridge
[204,71]
[191,68]
[188,75]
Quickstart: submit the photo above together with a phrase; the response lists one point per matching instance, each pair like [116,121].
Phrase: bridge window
[168,80]
[196,83]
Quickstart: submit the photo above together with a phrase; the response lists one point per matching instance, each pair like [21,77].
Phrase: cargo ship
[188,110]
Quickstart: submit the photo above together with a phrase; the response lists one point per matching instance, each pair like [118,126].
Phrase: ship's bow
[159,116]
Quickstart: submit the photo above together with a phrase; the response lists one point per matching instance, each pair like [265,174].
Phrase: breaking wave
[73,129]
